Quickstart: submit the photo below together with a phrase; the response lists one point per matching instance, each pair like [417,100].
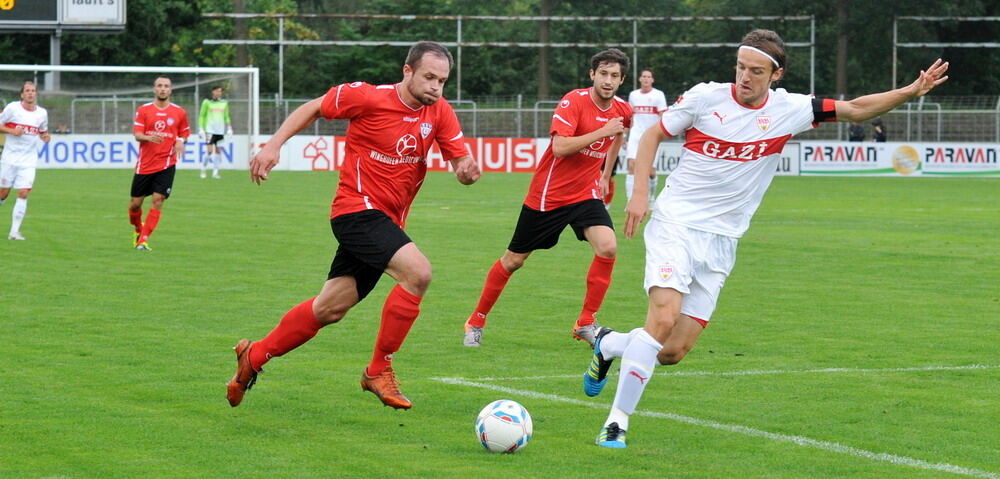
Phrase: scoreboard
[71,15]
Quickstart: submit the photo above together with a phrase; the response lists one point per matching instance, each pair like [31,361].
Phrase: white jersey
[23,150]
[646,108]
[729,157]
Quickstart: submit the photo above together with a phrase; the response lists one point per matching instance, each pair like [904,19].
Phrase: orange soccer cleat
[245,376]
[386,387]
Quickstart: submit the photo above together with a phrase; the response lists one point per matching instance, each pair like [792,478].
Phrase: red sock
[147,228]
[496,280]
[598,280]
[398,313]
[611,192]
[296,327]
[135,217]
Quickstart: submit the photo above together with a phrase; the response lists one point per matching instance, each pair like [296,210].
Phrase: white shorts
[694,262]
[632,147]
[17,176]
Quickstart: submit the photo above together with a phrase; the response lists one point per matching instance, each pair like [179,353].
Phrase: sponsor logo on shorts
[666,271]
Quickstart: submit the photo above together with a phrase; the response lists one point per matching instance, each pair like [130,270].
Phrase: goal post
[94,106]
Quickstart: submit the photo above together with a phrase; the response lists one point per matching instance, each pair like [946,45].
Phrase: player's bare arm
[638,206]
[179,148]
[45,136]
[149,138]
[268,157]
[16,131]
[609,163]
[567,145]
[869,106]
[466,170]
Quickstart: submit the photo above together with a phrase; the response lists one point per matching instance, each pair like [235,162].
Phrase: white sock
[652,188]
[614,344]
[17,214]
[638,362]
[2,201]
[216,161]
[629,183]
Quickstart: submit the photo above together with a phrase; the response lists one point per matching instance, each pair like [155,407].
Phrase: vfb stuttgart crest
[763,122]
[425,129]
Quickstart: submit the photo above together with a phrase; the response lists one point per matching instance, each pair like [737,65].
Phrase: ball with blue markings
[503,426]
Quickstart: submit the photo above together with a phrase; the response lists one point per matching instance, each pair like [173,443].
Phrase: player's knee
[329,313]
[606,250]
[418,281]
[669,357]
[512,263]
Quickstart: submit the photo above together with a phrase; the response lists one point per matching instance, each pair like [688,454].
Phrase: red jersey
[170,123]
[575,178]
[387,142]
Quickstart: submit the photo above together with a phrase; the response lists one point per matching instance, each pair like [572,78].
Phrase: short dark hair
[611,55]
[163,76]
[644,70]
[419,49]
[26,83]
[217,87]
[769,42]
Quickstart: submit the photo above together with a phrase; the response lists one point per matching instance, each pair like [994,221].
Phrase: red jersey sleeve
[139,122]
[345,101]
[449,137]
[183,129]
[627,113]
[566,116]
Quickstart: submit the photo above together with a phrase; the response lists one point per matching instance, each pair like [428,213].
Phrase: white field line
[749,431]
[762,372]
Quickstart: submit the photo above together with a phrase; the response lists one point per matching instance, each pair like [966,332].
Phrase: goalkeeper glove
[229,130]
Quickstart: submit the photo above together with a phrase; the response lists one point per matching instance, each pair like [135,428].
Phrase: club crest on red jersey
[763,122]
[425,129]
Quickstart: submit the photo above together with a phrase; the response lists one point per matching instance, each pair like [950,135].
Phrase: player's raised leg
[496,281]
[602,240]
[296,327]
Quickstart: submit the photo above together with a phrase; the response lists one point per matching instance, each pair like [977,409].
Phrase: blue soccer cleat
[597,373]
[611,436]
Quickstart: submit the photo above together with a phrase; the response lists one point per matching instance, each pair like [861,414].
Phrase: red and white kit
[20,153]
[647,108]
[169,123]
[387,143]
[730,154]
[575,178]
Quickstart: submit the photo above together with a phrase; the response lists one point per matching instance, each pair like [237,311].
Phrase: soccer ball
[503,426]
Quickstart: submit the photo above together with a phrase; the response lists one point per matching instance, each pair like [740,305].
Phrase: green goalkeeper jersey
[214,117]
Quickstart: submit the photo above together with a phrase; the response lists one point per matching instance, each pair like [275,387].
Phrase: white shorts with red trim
[696,263]
[14,175]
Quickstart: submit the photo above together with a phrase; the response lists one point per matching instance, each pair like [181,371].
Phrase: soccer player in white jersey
[647,104]
[734,134]
[27,127]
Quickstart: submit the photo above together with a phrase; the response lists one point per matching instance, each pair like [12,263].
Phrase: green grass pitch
[857,337]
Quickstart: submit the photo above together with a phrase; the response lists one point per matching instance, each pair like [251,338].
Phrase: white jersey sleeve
[802,117]
[683,113]
[7,114]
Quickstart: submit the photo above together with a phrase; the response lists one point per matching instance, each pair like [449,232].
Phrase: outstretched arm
[267,158]
[869,106]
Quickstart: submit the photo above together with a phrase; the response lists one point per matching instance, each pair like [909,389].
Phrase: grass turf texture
[115,360]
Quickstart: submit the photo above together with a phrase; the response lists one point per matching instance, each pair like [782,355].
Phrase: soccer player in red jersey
[568,190]
[391,129]
[161,128]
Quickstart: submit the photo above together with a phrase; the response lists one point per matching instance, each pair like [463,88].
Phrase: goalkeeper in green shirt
[213,124]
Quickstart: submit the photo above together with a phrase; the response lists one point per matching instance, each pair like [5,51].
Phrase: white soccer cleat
[202,174]
[16,236]
[473,336]
[216,175]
